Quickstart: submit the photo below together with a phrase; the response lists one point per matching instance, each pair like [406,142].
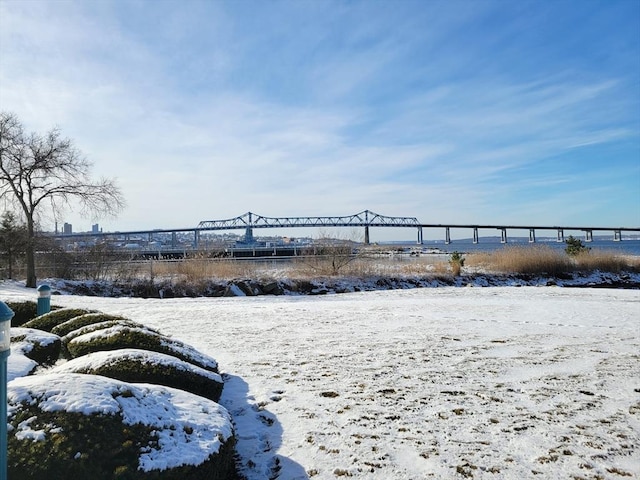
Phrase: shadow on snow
[258,435]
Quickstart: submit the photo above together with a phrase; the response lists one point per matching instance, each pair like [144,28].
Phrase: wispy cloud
[448,112]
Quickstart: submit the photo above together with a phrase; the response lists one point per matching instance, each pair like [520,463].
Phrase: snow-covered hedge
[83,320]
[40,346]
[23,312]
[29,349]
[96,326]
[124,336]
[132,404]
[142,366]
[89,426]
[54,318]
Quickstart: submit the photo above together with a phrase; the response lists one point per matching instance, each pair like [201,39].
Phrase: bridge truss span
[366,218]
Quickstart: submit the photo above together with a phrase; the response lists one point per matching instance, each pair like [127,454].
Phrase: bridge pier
[560,235]
[588,235]
[419,235]
[503,235]
[248,235]
[447,235]
[196,238]
[476,239]
[532,235]
[617,235]
[366,235]
[174,240]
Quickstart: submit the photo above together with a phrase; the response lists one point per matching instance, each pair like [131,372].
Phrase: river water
[623,247]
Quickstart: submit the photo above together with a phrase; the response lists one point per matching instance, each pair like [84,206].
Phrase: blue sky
[520,112]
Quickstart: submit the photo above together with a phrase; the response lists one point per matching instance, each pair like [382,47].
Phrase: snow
[25,432]
[18,364]
[34,336]
[495,382]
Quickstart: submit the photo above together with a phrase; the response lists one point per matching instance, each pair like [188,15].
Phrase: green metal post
[6,314]
[44,300]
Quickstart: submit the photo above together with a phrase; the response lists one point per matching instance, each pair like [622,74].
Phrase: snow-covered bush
[96,326]
[89,426]
[83,320]
[40,346]
[54,318]
[23,312]
[124,336]
[142,366]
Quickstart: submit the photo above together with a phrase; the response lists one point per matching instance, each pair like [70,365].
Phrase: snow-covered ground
[495,383]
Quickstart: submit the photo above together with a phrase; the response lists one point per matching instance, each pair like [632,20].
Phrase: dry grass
[537,259]
[309,267]
[199,269]
[545,260]
[606,261]
[364,266]
[527,260]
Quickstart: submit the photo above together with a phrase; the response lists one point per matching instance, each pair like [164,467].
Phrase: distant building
[67,229]
[95,228]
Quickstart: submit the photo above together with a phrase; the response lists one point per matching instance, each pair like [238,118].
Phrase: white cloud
[387,119]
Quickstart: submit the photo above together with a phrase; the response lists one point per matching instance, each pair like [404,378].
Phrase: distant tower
[67,229]
[95,228]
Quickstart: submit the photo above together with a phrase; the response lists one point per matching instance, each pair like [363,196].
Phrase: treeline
[94,262]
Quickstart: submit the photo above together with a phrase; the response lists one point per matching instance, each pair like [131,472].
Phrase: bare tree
[330,254]
[41,170]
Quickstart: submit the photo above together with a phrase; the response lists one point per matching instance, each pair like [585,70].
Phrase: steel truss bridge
[367,219]
[364,219]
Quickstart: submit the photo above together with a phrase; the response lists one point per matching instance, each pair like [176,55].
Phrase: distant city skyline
[457,111]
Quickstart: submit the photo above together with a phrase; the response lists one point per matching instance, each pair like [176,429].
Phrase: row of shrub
[95,343]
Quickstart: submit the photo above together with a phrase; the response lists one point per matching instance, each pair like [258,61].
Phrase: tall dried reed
[201,269]
[543,259]
[535,260]
[605,261]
